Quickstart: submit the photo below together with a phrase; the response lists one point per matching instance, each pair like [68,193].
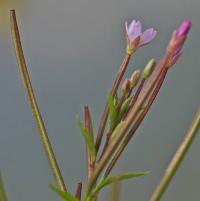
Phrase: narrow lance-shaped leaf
[88,121]
[88,138]
[65,195]
[110,180]
[117,130]
[116,99]
[112,111]
[124,107]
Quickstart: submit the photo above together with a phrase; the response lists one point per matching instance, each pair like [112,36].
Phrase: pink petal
[148,36]
[126,26]
[131,26]
[134,30]
[137,28]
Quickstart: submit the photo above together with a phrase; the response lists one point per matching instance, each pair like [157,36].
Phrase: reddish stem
[121,100]
[115,86]
[78,191]
[88,126]
[135,97]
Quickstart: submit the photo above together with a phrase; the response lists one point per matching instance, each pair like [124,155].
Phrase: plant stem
[33,103]
[135,97]
[78,191]
[114,194]
[177,159]
[115,86]
[89,128]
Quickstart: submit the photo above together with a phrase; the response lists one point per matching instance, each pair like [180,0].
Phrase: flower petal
[132,25]
[148,36]
[134,30]
[126,26]
[128,30]
[137,28]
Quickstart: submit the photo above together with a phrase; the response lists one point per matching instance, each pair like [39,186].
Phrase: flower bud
[126,86]
[135,77]
[184,28]
[178,37]
[148,69]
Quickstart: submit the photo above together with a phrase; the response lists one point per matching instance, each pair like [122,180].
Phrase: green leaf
[117,178]
[115,100]
[3,196]
[112,111]
[88,139]
[65,195]
[125,106]
[117,130]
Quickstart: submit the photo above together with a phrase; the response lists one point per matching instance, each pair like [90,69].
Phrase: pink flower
[134,30]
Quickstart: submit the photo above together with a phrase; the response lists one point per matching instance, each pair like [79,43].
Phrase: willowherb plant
[125,109]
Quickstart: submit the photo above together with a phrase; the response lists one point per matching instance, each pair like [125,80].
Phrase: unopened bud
[179,36]
[148,69]
[135,77]
[126,86]
[184,28]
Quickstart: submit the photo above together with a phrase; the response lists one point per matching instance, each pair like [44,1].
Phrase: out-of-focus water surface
[73,49]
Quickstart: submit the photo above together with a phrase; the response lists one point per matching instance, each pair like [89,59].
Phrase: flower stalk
[78,191]
[115,86]
[33,103]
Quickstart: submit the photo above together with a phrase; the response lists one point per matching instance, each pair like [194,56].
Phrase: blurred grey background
[73,50]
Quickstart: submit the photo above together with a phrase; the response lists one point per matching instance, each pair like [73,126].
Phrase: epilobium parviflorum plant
[128,102]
